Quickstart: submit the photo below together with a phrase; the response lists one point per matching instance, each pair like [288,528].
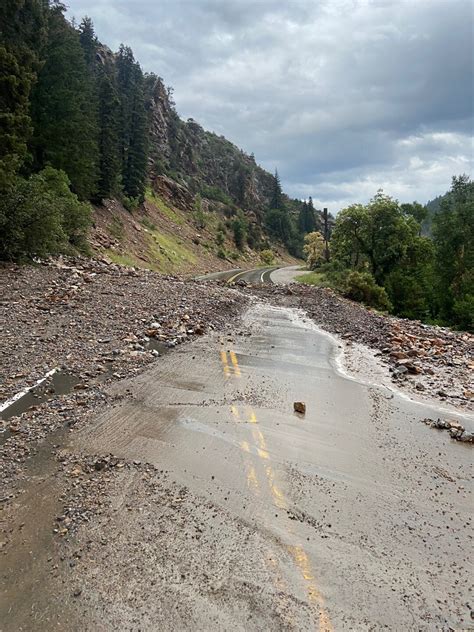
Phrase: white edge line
[19,395]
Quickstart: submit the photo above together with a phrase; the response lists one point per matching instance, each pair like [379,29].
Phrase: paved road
[257,275]
[355,516]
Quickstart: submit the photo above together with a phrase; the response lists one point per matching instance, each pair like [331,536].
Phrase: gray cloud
[343,96]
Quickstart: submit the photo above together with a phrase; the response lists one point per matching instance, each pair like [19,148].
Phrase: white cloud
[343,96]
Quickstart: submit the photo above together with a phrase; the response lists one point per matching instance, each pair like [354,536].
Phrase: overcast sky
[342,96]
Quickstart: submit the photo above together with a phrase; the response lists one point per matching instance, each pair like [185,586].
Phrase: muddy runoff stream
[354,516]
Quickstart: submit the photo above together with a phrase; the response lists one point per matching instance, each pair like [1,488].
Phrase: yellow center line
[297,552]
[235,363]
[252,417]
[225,364]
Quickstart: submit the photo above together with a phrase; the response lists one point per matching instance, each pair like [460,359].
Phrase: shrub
[361,286]
[463,312]
[239,230]
[216,194]
[220,237]
[131,203]
[267,257]
[41,216]
[314,249]
[199,217]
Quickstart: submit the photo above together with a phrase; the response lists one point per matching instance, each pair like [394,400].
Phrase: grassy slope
[313,278]
[165,238]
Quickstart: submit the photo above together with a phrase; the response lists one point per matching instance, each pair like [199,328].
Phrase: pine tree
[109,113]
[88,42]
[21,36]
[133,125]
[276,200]
[302,218]
[306,220]
[134,177]
[63,110]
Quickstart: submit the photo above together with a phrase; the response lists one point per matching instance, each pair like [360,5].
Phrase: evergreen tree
[276,200]
[453,232]
[133,125]
[21,36]
[88,42]
[62,107]
[302,218]
[313,223]
[109,113]
[306,219]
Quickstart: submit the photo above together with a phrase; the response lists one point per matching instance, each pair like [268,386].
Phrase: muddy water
[60,383]
[31,558]
[364,511]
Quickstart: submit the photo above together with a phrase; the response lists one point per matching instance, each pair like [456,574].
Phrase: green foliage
[361,286]
[416,210]
[133,124]
[307,219]
[21,37]
[377,234]
[239,229]
[220,238]
[216,194]
[313,278]
[148,223]
[314,249]
[463,311]
[423,278]
[63,108]
[108,139]
[254,235]
[15,125]
[41,216]
[453,234]
[410,284]
[199,216]
[88,42]
[276,200]
[279,224]
[116,228]
[267,257]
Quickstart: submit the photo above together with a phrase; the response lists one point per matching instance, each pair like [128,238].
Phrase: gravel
[98,322]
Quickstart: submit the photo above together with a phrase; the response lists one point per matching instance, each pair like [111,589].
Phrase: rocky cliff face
[201,160]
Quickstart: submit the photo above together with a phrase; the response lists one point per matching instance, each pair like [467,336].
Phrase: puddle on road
[61,383]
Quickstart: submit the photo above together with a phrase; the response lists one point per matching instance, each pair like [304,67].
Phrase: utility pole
[326,234]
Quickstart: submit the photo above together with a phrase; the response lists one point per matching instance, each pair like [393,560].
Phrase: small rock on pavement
[299,407]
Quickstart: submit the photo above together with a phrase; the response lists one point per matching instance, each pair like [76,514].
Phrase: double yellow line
[228,369]
[296,550]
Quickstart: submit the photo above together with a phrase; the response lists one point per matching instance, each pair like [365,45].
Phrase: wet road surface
[355,516]
[257,275]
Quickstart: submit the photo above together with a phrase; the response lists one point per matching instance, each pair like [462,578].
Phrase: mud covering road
[222,509]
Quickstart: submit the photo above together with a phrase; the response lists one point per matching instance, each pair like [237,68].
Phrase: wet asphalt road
[355,516]
[257,275]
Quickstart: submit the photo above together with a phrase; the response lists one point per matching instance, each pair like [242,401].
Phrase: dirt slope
[167,234]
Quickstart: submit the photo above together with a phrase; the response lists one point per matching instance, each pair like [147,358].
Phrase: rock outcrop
[203,161]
